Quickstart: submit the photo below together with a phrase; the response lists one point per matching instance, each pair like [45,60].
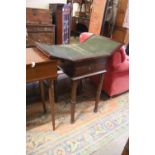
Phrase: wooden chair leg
[98,93]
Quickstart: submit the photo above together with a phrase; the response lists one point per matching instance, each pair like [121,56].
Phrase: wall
[44,4]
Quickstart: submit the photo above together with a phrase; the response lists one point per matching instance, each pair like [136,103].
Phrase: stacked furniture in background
[39,27]
[116,79]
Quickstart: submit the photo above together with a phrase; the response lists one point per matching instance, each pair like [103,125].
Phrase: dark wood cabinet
[39,27]
[62,19]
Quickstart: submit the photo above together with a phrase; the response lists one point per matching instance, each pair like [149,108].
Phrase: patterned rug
[90,131]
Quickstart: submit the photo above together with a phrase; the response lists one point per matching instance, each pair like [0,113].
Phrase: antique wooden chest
[43,33]
[39,27]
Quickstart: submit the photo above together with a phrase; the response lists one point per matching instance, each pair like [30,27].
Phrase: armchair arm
[119,61]
[121,67]
[84,36]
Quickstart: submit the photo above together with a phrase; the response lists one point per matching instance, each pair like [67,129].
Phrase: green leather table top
[95,46]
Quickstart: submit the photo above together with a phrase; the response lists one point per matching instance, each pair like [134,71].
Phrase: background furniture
[38,68]
[109,18]
[121,29]
[61,14]
[80,16]
[39,27]
[116,79]
[97,14]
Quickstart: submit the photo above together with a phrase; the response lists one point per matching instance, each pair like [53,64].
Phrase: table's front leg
[51,100]
[98,93]
[73,98]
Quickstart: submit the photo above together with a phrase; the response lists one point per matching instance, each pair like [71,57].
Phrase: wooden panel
[41,16]
[59,25]
[121,12]
[98,8]
[126,19]
[121,34]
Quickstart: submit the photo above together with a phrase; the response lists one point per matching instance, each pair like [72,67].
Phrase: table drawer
[89,67]
[84,67]
[41,71]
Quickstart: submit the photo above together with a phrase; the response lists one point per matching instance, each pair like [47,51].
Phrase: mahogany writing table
[38,68]
[83,60]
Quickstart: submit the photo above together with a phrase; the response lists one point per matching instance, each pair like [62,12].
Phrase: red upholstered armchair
[85,35]
[116,79]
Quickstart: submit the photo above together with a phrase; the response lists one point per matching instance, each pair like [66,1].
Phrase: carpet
[89,132]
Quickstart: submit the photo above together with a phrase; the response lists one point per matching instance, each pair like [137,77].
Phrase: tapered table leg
[73,99]
[51,100]
[55,91]
[98,93]
[42,95]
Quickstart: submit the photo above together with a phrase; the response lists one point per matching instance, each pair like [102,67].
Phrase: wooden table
[38,68]
[79,70]
[83,60]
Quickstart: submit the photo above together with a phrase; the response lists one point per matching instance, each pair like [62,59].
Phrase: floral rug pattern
[89,132]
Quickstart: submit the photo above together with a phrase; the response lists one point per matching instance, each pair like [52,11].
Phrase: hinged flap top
[94,47]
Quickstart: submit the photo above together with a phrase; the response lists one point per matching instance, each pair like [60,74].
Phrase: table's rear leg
[98,93]
[51,101]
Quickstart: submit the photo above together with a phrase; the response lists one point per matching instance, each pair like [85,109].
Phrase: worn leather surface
[95,46]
